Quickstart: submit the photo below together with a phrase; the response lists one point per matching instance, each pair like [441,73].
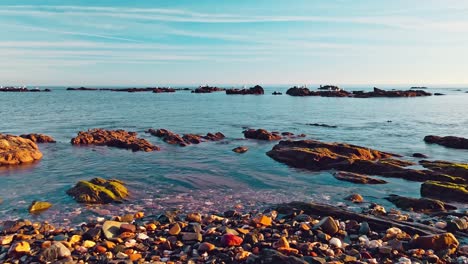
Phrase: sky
[175,42]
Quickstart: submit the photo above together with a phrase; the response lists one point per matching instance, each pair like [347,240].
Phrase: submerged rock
[356,178]
[257,90]
[113,138]
[37,207]
[355,198]
[17,150]
[241,149]
[98,190]
[449,141]
[185,140]
[445,191]
[419,205]
[420,155]
[261,134]
[39,138]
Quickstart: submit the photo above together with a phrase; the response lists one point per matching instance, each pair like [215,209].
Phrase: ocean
[210,176]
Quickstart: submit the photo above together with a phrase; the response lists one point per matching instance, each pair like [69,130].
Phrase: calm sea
[209,175]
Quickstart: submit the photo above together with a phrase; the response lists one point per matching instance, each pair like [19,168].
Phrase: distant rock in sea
[208,89]
[256,90]
[448,141]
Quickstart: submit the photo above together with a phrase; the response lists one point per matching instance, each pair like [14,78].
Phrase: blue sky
[233,42]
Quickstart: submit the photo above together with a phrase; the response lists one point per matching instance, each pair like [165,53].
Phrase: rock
[316,155]
[393,93]
[450,168]
[446,241]
[230,240]
[207,89]
[260,134]
[206,247]
[448,141]
[263,220]
[303,91]
[38,207]
[192,236]
[20,247]
[127,228]
[364,228]
[327,225]
[17,150]
[257,90]
[39,138]
[113,138]
[335,242]
[185,140]
[241,149]
[322,125]
[457,224]
[276,93]
[175,229]
[355,198]
[164,90]
[445,191]
[420,155]
[88,244]
[55,252]
[111,229]
[357,178]
[99,190]
[194,217]
[419,205]
[272,256]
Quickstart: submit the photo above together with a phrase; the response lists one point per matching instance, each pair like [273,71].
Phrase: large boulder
[446,241]
[17,150]
[38,138]
[98,191]
[445,191]
[419,205]
[296,91]
[113,138]
[261,134]
[449,141]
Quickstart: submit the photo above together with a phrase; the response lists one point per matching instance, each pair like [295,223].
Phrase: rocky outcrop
[453,169]
[423,205]
[302,91]
[16,150]
[208,89]
[276,93]
[329,87]
[336,92]
[164,90]
[22,89]
[113,138]
[393,93]
[257,90]
[445,191]
[38,138]
[420,155]
[99,191]
[449,141]
[317,156]
[81,89]
[185,140]
[356,178]
[261,134]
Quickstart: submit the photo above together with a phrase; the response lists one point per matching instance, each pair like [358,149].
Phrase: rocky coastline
[297,232]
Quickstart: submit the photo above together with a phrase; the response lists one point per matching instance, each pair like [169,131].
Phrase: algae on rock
[99,190]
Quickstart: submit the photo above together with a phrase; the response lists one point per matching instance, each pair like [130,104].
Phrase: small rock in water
[355,198]
[241,149]
[38,207]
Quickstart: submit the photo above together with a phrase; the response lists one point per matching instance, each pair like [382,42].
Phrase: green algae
[98,190]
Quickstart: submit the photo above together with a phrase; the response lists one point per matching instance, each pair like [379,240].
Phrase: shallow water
[210,175]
